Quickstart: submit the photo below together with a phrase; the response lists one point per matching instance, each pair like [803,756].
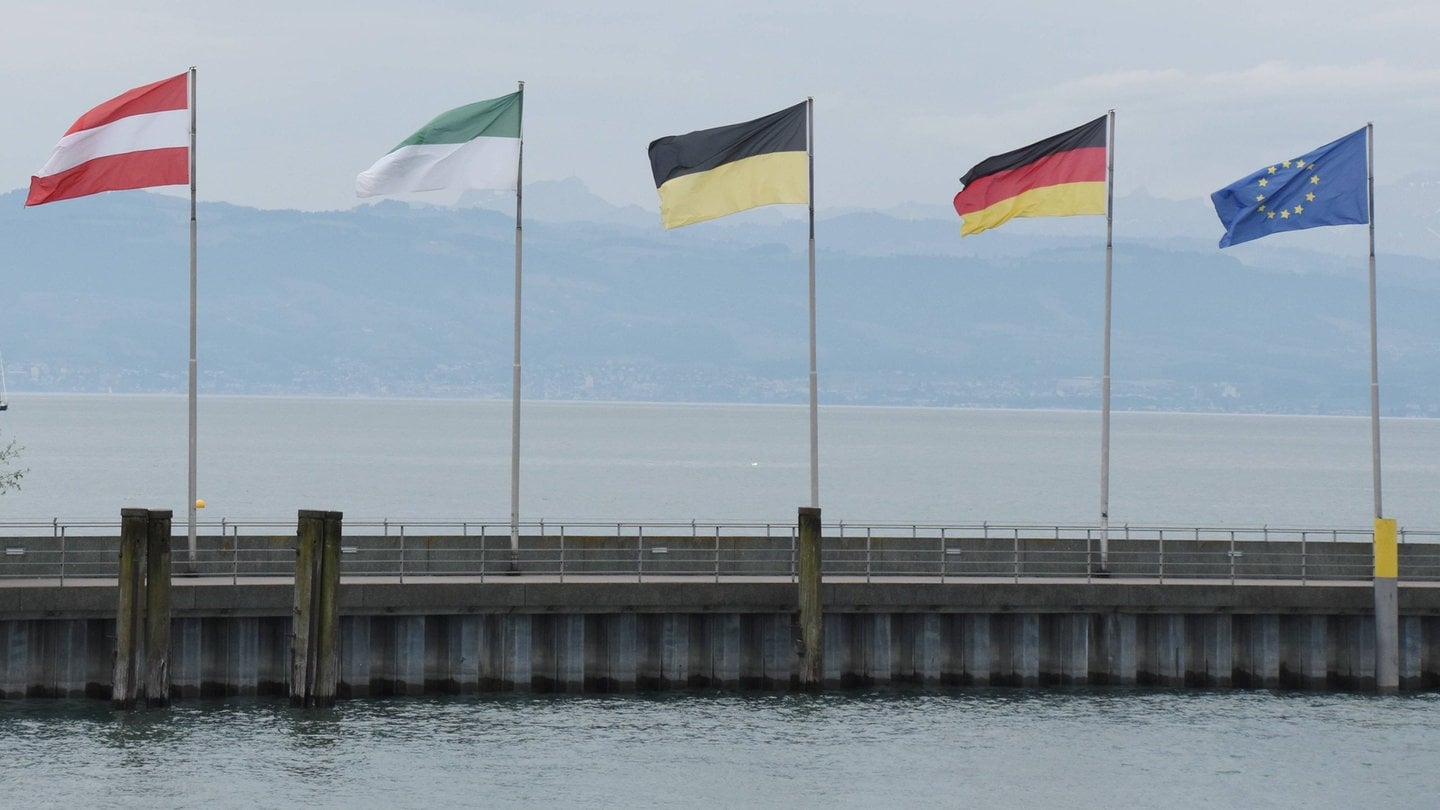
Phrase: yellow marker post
[1387,607]
[1387,549]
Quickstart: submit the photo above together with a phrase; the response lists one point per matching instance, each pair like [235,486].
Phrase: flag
[715,172]
[475,146]
[1061,176]
[139,139]
[1325,187]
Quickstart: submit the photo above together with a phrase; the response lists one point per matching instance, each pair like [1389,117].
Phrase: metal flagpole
[1105,374]
[814,384]
[1386,552]
[1374,352]
[515,368]
[192,396]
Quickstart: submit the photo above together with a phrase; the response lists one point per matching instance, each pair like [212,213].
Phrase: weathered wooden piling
[142,617]
[327,615]
[129,626]
[315,642]
[157,608]
[812,658]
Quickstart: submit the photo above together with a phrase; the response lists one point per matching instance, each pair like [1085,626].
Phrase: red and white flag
[138,139]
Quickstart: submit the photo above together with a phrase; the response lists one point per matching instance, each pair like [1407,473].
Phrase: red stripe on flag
[152,167]
[1085,165]
[166,94]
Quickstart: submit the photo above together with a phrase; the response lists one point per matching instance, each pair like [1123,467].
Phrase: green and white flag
[475,146]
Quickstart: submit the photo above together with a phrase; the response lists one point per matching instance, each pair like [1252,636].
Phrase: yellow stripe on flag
[776,177]
[1066,200]
[1387,552]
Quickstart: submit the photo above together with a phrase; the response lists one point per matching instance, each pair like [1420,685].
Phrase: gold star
[1262,208]
[1285,163]
[1264,182]
[1272,169]
[1299,209]
[1284,214]
[1270,215]
[1310,197]
[1259,198]
[1315,180]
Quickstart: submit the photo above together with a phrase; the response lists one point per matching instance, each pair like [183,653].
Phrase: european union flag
[1325,187]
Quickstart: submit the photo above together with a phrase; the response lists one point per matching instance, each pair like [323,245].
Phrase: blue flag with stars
[1325,187]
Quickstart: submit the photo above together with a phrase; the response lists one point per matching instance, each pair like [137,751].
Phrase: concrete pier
[534,634]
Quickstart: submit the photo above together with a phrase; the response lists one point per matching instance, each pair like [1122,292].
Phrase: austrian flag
[139,139]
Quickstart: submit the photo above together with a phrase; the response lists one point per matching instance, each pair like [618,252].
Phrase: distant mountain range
[398,299]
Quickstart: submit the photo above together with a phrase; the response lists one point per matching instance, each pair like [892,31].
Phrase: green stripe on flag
[496,118]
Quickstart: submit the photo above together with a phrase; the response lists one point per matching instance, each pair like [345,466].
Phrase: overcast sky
[297,97]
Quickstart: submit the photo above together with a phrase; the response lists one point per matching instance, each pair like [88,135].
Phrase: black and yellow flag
[714,172]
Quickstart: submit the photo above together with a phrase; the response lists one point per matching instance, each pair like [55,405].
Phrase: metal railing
[407,550]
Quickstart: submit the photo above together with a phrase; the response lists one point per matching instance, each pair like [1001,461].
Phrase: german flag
[1061,176]
[714,172]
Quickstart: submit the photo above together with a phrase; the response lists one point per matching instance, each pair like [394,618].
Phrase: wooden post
[811,612]
[315,642]
[157,608]
[129,613]
[326,667]
[308,537]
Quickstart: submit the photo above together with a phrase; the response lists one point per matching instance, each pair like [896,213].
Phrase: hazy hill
[395,299]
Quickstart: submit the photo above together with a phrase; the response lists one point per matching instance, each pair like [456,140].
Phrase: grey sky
[297,97]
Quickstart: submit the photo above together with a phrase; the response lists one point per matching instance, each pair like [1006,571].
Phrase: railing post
[794,566]
[1304,559]
[717,552]
[867,553]
[1160,545]
[1015,553]
[482,552]
[1089,555]
[942,555]
[562,552]
[639,553]
[1232,556]
[62,560]
[402,553]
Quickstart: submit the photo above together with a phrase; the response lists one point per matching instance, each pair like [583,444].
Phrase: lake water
[264,458]
[980,748]
[407,459]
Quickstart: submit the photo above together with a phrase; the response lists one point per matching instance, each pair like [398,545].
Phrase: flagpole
[1105,374]
[814,378]
[1374,352]
[1386,552]
[192,386]
[515,367]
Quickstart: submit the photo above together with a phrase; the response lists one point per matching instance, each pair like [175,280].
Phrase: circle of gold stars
[1264,183]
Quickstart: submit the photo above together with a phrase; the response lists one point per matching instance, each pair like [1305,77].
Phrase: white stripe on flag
[482,163]
[136,133]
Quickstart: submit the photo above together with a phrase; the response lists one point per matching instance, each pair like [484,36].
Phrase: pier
[640,607]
